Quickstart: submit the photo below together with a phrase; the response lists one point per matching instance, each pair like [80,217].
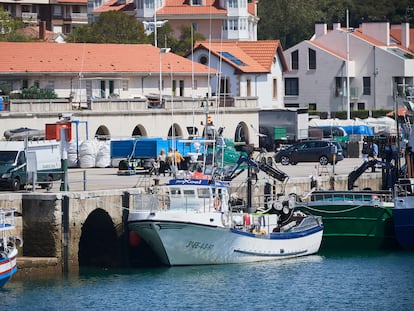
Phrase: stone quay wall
[54,225]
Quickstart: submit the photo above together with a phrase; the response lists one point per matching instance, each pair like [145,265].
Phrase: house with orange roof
[61,16]
[85,71]
[246,69]
[377,59]
[216,19]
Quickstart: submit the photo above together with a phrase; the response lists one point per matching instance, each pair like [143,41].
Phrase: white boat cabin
[201,195]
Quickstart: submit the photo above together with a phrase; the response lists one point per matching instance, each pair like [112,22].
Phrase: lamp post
[162,51]
[348,89]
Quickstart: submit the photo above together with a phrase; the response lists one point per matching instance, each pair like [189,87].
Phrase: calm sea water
[363,281]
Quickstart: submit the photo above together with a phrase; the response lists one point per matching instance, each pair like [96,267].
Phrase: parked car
[321,151]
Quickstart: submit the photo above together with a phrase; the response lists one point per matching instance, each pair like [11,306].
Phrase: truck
[280,127]
[28,163]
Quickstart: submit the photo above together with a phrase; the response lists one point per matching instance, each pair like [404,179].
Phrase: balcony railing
[110,105]
[79,16]
[29,17]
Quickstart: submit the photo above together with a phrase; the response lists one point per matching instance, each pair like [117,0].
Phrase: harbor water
[329,281]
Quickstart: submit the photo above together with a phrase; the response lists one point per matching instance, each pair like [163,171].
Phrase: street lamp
[162,51]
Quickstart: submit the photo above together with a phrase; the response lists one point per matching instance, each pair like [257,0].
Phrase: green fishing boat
[353,220]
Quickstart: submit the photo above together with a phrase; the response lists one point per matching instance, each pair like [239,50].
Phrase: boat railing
[163,202]
[6,219]
[405,187]
[150,202]
[363,196]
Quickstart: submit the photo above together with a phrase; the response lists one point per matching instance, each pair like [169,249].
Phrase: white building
[83,71]
[375,57]
[247,69]
[215,19]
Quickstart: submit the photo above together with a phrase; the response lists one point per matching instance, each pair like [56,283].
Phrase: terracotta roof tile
[93,58]
[181,7]
[256,56]
[396,35]
[113,5]
[72,1]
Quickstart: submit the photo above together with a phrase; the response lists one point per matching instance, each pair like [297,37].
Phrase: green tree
[186,40]
[165,36]
[9,27]
[111,27]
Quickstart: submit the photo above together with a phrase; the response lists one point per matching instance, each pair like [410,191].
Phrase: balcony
[79,17]
[29,17]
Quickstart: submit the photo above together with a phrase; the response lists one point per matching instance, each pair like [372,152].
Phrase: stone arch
[102,133]
[242,133]
[178,131]
[99,245]
[139,131]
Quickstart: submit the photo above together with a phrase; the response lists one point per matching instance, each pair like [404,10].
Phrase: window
[340,84]
[274,90]
[291,86]
[103,88]
[111,87]
[76,9]
[57,10]
[203,193]
[181,87]
[366,85]
[312,106]
[248,87]
[25,84]
[195,26]
[149,4]
[197,2]
[295,60]
[125,85]
[312,59]
[361,106]
[203,60]
[173,87]
[233,3]
[36,83]
[50,85]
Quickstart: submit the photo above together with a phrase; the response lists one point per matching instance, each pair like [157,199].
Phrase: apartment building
[375,60]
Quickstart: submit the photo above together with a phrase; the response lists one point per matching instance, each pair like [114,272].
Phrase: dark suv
[321,151]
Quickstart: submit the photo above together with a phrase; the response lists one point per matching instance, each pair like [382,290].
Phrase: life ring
[217,203]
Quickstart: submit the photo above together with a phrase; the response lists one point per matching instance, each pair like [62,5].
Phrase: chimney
[405,34]
[320,29]
[336,26]
[379,31]
[42,30]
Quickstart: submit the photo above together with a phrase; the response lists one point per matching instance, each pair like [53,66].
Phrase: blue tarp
[359,130]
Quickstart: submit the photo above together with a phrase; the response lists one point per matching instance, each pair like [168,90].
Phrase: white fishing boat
[8,246]
[194,221]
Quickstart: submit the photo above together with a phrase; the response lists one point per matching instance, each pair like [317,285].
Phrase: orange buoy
[134,239]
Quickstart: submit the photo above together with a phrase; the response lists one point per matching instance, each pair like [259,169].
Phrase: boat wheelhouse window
[189,193]
[203,192]
[175,192]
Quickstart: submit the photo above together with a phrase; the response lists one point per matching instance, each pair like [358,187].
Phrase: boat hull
[8,267]
[404,221]
[183,243]
[354,225]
